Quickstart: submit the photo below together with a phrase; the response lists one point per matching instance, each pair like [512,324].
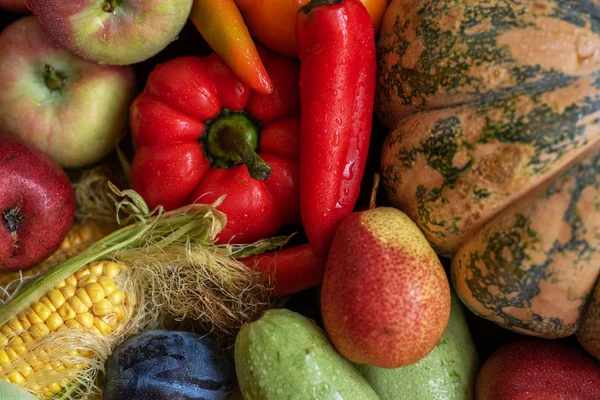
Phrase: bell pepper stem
[236,143]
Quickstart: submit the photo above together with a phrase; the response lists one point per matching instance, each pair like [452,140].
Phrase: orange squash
[494,111]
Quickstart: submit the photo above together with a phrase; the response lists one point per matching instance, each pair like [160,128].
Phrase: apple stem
[109,6]
[373,202]
[54,80]
[12,219]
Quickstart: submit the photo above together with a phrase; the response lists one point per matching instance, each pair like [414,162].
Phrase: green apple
[112,31]
[72,109]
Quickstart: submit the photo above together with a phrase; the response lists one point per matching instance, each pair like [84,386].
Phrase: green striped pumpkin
[494,111]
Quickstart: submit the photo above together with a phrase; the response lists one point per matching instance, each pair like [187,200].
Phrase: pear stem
[373,202]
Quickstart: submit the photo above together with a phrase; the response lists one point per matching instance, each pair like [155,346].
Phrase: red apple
[538,369]
[113,31]
[15,6]
[73,109]
[37,205]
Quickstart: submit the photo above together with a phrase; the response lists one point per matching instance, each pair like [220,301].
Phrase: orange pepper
[222,26]
[273,22]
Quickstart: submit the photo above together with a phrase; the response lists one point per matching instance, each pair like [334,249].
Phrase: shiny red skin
[170,168]
[337,85]
[293,269]
[35,184]
[538,369]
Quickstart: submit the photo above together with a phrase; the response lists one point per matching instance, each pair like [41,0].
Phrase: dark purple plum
[161,364]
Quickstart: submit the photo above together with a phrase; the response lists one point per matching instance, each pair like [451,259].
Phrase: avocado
[284,355]
[448,372]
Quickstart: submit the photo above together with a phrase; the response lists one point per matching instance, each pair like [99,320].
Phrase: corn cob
[91,298]
[80,236]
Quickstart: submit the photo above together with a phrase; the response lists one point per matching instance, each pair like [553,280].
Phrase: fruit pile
[190,202]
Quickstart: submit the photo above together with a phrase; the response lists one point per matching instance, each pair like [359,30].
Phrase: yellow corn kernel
[56,297]
[85,319]
[3,339]
[97,268]
[26,337]
[71,323]
[15,324]
[108,284]
[16,377]
[6,330]
[71,280]
[39,330]
[82,294]
[80,274]
[61,284]
[48,303]
[54,387]
[95,291]
[33,317]
[111,269]
[111,320]
[87,280]
[119,312]
[54,321]
[103,307]
[26,371]
[24,320]
[66,312]
[16,344]
[41,311]
[4,359]
[12,354]
[102,326]
[77,305]
[116,297]
[68,291]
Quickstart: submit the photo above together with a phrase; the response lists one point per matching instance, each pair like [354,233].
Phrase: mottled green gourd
[283,355]
[447,373]
[490,103]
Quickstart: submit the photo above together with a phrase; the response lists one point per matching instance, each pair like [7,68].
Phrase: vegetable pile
[190,203]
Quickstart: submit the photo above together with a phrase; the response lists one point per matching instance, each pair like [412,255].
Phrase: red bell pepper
[336,46]
[201,133]
[293,269]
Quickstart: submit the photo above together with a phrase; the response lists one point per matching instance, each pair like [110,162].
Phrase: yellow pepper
[222,26]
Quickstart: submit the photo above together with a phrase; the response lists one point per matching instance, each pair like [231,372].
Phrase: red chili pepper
[197,128]
[294,269]
[337,84]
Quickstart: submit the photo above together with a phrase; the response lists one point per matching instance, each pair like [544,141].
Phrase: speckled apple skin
[77,125]
[134,32]
[539,369]
[37,185]
[385,296]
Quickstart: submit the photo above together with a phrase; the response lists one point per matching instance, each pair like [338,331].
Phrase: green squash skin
[447,373]
[434,54]
[532,269]
[284,355]
[452,170]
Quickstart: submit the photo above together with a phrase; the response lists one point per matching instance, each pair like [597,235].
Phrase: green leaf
[259,247]
[14,392]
